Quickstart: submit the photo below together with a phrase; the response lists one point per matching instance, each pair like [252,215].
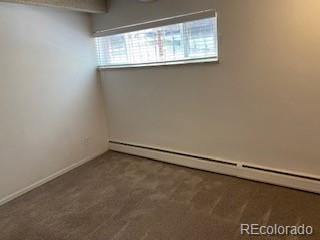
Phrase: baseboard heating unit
[246,171]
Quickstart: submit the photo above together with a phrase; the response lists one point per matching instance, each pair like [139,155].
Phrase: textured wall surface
[259,105]
[80,5]
[51,106]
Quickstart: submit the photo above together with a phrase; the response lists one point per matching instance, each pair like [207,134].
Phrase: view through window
[177,43]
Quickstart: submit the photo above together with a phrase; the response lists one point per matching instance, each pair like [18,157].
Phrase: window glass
[194,40]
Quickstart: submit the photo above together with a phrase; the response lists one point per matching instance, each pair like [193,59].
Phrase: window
[189,41]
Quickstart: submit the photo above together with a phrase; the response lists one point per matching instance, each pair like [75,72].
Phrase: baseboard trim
[49,178]
[257,173]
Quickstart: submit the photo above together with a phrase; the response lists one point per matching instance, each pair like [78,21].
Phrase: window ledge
[156,64]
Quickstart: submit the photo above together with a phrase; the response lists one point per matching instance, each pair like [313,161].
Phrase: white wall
[259,105]
[51,107]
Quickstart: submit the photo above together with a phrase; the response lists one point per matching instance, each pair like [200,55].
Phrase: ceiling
[90,6]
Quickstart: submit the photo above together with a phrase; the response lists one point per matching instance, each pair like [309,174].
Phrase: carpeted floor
[119,196]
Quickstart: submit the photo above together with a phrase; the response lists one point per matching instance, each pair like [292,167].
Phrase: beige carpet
[118,196]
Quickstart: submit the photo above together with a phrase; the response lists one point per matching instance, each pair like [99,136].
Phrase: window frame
[159,23]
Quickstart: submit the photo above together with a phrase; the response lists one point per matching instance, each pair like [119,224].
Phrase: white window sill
[155,64]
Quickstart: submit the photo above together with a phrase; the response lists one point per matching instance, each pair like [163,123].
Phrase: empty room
[159,119]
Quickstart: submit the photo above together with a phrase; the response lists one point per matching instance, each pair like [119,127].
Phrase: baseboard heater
[241,170]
